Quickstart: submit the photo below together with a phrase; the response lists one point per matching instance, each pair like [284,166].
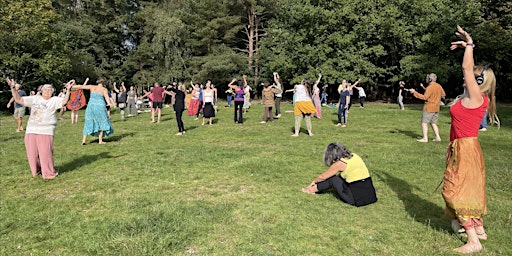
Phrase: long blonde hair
[487,87]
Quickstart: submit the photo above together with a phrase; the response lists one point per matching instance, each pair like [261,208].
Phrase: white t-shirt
[42,118]
[301,94]
[360,91]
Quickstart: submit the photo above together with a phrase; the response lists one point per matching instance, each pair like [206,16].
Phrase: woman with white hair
[41,127]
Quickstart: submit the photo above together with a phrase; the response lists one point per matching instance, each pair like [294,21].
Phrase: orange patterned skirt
[303,107]
[464,180]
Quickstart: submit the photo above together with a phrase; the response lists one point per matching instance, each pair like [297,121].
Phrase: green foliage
[143,41]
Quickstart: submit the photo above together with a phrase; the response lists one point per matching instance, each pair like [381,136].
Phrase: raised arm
[468,65]
[115,87]
[232,84]
[356,83]
[68,92]
[245,80]
[276,78]
[15,96]
[318,80]
[83,86]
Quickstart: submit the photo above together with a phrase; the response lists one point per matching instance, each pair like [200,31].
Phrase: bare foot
[310,134]
[102,142]
[422,140]
[307,191]
[295,135]
[338,124]
[437,139]
[179,133]
[469,248]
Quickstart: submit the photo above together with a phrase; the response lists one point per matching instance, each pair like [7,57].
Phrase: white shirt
[301,94]
[360,91]
[42,118]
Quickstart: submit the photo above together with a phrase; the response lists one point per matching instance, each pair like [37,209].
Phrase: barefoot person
[19,109]
[347,175]
[97,122]
[464,178]
[432,97]
[303,107]
[41,127]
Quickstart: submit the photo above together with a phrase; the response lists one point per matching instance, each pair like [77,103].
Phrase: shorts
[429,117]
[157,105]
[19,112]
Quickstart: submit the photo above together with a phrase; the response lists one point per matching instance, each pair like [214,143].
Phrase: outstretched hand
[464,36]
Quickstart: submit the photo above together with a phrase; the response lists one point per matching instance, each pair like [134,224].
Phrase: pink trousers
[40,155]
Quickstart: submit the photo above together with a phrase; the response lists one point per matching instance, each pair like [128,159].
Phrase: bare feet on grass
[422,140]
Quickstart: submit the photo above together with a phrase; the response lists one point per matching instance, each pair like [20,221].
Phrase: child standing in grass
[347,175]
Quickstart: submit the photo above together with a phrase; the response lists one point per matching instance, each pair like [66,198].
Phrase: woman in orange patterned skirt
[464,178]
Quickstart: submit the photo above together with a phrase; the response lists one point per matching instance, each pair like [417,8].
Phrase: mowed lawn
[231,189]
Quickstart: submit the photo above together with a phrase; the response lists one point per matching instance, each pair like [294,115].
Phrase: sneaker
[483,129]
[263,122]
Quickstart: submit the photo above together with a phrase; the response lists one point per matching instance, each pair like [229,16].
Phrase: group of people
[464,177]
[347,174]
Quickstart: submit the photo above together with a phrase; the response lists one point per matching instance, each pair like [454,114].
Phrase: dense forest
[142,42]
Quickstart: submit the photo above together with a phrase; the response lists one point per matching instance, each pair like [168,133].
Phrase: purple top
[239,95]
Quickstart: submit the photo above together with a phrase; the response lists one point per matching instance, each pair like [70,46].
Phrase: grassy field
[230,189]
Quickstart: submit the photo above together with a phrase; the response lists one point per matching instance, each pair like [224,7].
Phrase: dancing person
[229,97]
[268,101]
[97,122]
[193,106]
[62,94]
[432,97]
[342,105]
[41,127]
[400,98]
[323,98]
[278,96]
[19,109]
[201,103]
[361,94]
[208,103]
[179,105]
[157,94]
[347,175]
[76,102]
[303,107]
[247,95]
[131,102]
[316,97]
[239,100]
[464,178]
[121,98]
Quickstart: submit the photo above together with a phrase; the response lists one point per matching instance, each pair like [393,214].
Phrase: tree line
[142,42]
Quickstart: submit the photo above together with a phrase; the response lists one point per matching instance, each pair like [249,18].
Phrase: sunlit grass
[230,189]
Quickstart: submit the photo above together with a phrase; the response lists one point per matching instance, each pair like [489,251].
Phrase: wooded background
[142,42]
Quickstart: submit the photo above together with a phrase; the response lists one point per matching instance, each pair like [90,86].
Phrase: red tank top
[466,121]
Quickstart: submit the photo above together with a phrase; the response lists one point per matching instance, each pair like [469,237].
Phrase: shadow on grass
[82,161]
[420,209]
[411,134]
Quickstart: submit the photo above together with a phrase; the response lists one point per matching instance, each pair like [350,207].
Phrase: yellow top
[356,169]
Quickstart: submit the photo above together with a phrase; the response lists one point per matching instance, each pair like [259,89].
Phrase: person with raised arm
[316,97]
[239,99]
[278,96]
[41,126]
[464,177]
[97,122]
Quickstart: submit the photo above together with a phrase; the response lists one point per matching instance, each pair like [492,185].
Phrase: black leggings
[179,113]
[357,193]
[239,108]
[340,186]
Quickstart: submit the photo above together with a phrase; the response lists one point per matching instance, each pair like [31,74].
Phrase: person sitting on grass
[347,175]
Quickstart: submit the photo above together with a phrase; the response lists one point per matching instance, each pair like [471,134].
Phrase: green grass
[233,189]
